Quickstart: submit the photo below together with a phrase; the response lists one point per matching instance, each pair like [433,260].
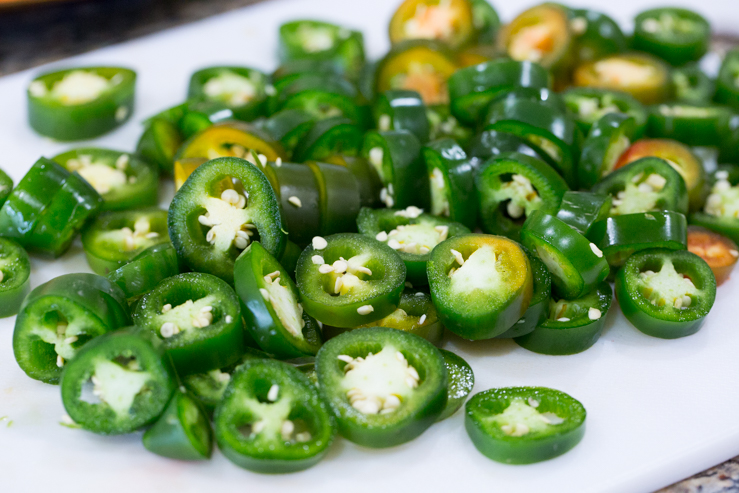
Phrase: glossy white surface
[658,411]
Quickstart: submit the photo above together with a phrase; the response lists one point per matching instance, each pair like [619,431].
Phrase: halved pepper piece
[410,233]
[327,138]
[576,264]
[666,293]
[347,279]
[727,82]
[182,432]
[6,186]
[401,109]
[608,138]
[449,21]
[590,104]
[538,308]
[452,181]
[118,383]
[15,273]
[61,316]
[721,210]
[512,186]
[272,420]
[270,304]
[571,325]
[595,35]
[481,284]
[581,210]
[523,425]
[116,237]
[80,103]
[198,318]
[695,125]
[676,35]
[719,252]
[122,180]
[384,386]
[240,88]
[339,194]
[224,205]
[460,381]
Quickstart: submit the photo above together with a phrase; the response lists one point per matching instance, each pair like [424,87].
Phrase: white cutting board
[658,410]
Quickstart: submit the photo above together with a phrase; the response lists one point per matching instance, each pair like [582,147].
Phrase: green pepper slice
[590,104]
[450,22]
[538,308]
[666,293]
[384,386]
[580,210]
[6,186]
[676,35]
[693,125]
[158,144]
[410,233]
[80,103]
[182,432]
[300,200]
[481,284]
[146,270]
[692,85]
[648,184]
[116,237]
[327,138]
[486,21]
[511,187]
[608,138]
[118,383]
[595,35]
[452,181]
[721,211]
[271,308]
[15,273]
[442,124]
[491,144]
[121,179]
[576,264]
[224,205]
[241,88]
[201,114]
[288,127]
[340,200]
[231,139]
[320,95]
[523,425]
[198,318]
[272,420]
[571,325]
[400,109]
[460,381]
[347,279]
[61,316]
[366,177]
[727,82]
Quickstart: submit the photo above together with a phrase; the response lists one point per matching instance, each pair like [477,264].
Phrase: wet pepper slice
[571,325]
[719,252]
[61,316]
[198,318]
[384,386]
[581,210]
[241,89]
[512,186]
[607,139]
[15,272]
[146,270]
[348,279]
[696,125]
[80,103]
[118,383]
[182,432]
[224,205]
[411,233]
[721,210]
[523,425]
[727,82]
[448,21]
[400,109]
[666,293]
[122,180]
[538,308]
[272,420]
[590,104]
[452,181]
[116,237]
[481,284]
[270,304]
[576,264]
[460,381]
[676,35]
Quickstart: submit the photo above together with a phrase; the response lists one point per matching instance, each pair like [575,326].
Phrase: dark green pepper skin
[491,179]
[201,114]
[298,180]
[415,415]
[6,186]
[340,197]
[727,88]
[246,400]
[146,270]
[691,85]
[581,210]
[596,35]
[621,236]
[568,328]
[590,104]
[370,185]
[486,21]
[288,127]
[695,125]
[113,347]
[677,46]
[289,259]
[159,143]
[443,124]
[320,95]
[90,303]
[460,381]
[608,138]
[194,348]
[15,282]
[182,432]
[495,444]
[538,308]
[665,320]
[490,144]
[401,109]
[109,110]
[247,111]
[329,137]
[189,236]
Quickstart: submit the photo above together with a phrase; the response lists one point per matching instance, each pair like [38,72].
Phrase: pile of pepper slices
[321,237]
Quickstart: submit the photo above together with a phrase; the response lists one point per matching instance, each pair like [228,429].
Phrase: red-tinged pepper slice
[541,34]
[719,252]
[15,273]
[449,21]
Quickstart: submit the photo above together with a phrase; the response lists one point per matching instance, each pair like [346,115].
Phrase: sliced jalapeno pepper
[201,114]
[290,256]
[572,325]
[329,137]
[15,272]
[146,270]
[182,432]
[648,184]
[320,95]
[460,381]
[61,316]
[719,252]
[692,85]
[442,124]
[676,35]
[523,425]
[80,103]
[288,127]
[452,181]
[491,144]
[609,137]
[481,284]
[231,139]
[666,293]
[367,179]
[399,109]
[159,143]
[116,237]
[721,210]
[451,22]
[118,383]
[410,233]
[241,88]
[576,264]
[512,186]
[580,210]
[538,308]
[6,186]
[339,194]
[595,35]
[727,82]
[271,308]
[384,386]
[272,420]
[590,104]
[486,21]
[693,125]
[224,205]
[300,201]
